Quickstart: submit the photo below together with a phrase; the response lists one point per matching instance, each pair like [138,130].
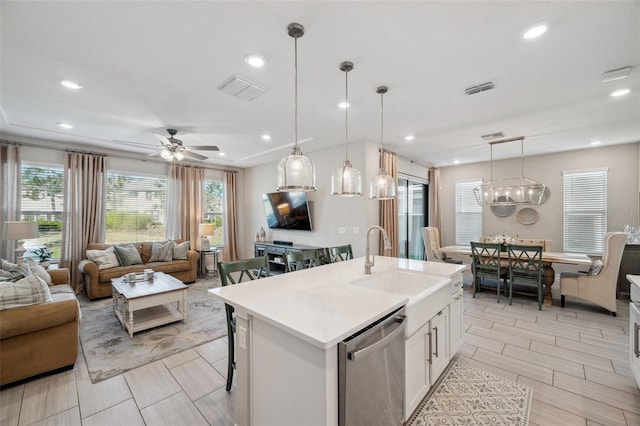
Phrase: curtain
[435,191]
[389,208]
[10,197]
[230,188]
[85,209]
[185,198]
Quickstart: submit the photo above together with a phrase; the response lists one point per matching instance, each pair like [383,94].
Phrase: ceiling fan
[172,148]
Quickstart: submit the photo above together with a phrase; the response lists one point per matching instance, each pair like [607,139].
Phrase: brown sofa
[39,338]
[97,282]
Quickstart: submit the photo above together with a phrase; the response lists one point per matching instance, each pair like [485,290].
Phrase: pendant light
[382,186]
[296,172]
[346,181]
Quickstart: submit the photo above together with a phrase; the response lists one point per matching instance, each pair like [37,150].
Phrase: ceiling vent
[479,88]
[616,74]
[241,88]
[489,136]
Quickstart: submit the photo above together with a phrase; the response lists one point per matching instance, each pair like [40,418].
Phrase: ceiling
[145,66]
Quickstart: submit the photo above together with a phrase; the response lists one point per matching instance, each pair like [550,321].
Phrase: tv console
[276,252]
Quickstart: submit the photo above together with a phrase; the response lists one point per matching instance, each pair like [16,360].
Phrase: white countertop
[318,305]
[634,279]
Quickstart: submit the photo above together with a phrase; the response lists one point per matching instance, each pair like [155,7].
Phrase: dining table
[548,259]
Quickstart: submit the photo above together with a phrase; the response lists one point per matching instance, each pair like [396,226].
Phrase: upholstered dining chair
[304,259]
[233,273]
[431,239]
[485,263]
[598,289]
[340,253]
[525,268]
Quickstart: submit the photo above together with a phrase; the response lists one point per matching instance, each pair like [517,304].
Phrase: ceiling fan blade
[194,155]
[165,141]
[204,148]
[153,154]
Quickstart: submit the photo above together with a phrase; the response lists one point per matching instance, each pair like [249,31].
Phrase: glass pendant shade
[296,172]
[166,154]
[382,186]
[346,181]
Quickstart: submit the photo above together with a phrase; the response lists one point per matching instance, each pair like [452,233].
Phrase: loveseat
[97,281]
[43,337]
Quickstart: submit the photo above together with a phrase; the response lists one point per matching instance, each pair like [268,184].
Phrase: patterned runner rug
[109,351]
[467,396]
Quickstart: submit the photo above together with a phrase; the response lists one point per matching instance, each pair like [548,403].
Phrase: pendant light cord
[381,129]
[296,90]
[346,113]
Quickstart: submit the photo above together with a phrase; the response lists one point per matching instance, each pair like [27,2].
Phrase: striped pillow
[30,290]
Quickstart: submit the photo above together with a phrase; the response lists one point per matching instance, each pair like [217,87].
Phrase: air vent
[492,136]
[241,88]
[617,74]
[479,88]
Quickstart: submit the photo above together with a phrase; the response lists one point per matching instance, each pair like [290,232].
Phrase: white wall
[622,162]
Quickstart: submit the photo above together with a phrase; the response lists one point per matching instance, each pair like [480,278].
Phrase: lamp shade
[206,229]
[18,230]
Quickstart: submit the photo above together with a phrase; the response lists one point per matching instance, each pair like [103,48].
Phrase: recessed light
[535,31]
[595,143]
[71,84]
[65,125]
[344,105]
[620,92]
[255,61]
[409,138]
[266,137]
[221,154]
[456,162]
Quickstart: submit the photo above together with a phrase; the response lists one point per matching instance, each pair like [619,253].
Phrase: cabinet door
[456,323]
[440,343]
[634,340]
[416,360]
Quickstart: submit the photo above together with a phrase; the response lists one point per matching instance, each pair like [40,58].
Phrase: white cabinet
[634,340]
[456,322]
[426,356]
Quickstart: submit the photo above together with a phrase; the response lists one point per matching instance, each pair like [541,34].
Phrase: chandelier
[510,191]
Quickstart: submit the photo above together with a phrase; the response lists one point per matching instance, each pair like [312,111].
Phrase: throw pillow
[104,258]
[6,265]
[162,252]
[180,250]
[30,290]
[38,270]
[5,274]
[21,269]
[128,255]
[596,267]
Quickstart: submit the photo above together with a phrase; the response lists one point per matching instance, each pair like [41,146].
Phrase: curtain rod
[35,145]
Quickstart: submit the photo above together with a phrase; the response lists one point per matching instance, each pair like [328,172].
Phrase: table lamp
[206,230]
[19,231]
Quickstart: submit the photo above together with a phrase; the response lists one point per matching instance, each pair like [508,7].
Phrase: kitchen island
[288,328]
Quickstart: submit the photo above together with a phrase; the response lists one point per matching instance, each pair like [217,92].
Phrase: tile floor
[575,359]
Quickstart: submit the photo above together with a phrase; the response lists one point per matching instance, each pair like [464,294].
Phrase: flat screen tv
[287,210]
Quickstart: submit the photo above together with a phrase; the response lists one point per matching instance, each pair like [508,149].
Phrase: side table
[204,267]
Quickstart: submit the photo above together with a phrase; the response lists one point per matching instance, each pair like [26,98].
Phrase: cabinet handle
[430,360]
[636,343]
[436,330]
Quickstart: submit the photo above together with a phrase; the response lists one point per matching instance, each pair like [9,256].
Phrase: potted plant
[44,254]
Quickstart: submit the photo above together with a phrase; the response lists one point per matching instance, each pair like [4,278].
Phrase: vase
[45,263]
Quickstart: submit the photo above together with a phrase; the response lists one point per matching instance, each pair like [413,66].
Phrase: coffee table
[146,304]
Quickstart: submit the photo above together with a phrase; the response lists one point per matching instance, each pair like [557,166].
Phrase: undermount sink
[424,292]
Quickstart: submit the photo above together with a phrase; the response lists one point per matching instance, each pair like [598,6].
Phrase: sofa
[39,338]
[97,282]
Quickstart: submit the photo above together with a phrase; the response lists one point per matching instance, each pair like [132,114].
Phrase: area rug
[109,351]
[467,396]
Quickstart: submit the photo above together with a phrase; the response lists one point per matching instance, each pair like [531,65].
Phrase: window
[42,201]
[135,208]
[213,210]
[585,210]
[468,213]
[412,216]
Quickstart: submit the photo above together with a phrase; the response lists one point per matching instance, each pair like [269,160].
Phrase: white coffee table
[147,304]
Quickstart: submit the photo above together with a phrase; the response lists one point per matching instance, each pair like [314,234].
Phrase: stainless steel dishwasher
[371,374]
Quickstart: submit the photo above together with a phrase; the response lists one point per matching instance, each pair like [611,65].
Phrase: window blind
[585,211]
[468,213]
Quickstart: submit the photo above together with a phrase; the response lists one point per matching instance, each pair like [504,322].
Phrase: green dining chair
[525,268]
[234,273]
[294,261]
[340,253]
[486,263]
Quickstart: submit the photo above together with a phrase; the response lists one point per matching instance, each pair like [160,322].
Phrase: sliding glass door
[412,215]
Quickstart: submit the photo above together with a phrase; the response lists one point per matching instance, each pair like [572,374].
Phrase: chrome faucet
[387,246]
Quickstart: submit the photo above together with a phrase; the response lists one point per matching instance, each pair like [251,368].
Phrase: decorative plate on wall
[527,216]
[503,211]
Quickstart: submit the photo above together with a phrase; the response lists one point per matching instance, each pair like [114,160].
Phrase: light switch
[242,337]
[342,230]
[356,230]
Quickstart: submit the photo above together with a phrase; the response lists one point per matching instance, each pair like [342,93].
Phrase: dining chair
[294,261]
[525,268]
[340,253]
[431,240]
[486,263]
[598,289]
[234,273]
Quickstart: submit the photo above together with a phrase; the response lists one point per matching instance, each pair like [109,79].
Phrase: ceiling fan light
[166,154]
[178,156]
